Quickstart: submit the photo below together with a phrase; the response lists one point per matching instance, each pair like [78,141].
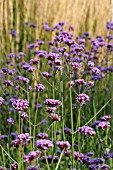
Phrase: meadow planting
[56,100]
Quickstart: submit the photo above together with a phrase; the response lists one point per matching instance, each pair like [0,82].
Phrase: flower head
[63,144]
[40,87]
[52,102]
[43,144]
[10,121]
[31,156]
[20,104]
[1,100]
[42,135]
[87,130]
[82,98]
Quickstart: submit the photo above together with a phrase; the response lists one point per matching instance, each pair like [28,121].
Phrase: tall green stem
[71,114]
[35,124]
[62,98]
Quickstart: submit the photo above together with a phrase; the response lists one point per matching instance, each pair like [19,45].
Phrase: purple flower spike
[8,83]
[10,121]
[87,130]
[5,70]
[53,56]
[76,65]
[46,74]
[20,104]
[80,81]
[103,125]
[42,135]
[52,102]
[44,144]
[34,61]
[55,117]
[106,118]
[49,158]
[82,98]
[33,25]
[71,28]
[90,63]
[33,167]
[14,166]
[71,83]
[51,110]
[31,156]
[1,100]
[90,83]
[67,130]
[63,144]
[13,33]
[32,46]
[67,152]
[95,70]
[40,87]
[89,154]
[24,115]
[11,55]
[105,166]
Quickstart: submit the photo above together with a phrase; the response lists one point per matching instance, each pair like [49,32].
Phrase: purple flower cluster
[82,98]
[71,83]
[1,100]
[24,115]
[20,104]
[87,130]
[31,156]
[43,135]
[52,102]
[43,144]
[51,109]
[49,158]
[8,83]
[46,74]
[76,65]
[102,123]
[40,87]
[28,67]
[34,61]
[10,121]
[55,117]
[33,167]
[22,79]
[93,164]
[14,166]
[22,139]
[63,144]
[80,81]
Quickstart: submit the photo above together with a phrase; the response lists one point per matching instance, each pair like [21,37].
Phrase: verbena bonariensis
[73,77]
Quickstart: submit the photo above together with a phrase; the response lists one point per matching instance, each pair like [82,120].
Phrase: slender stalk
[47,161]
[59,159]
[71,114]
[54,123]
[78,123]
[29,118]
[3,159]
[35,124]
[62,99]
[8,154]
[19,151]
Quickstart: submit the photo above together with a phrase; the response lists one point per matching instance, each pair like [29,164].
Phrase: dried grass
[84,15]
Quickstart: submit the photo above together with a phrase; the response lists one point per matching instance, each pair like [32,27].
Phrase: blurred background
[85,15]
